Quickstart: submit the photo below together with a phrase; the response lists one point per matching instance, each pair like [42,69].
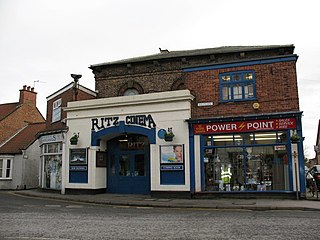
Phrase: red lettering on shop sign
[245,126]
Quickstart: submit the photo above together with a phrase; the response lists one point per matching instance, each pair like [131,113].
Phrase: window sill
[5,179]
[238,100]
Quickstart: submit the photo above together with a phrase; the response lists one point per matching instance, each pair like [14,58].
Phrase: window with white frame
[237,86]
[56,110]
[5,168]
[52,164]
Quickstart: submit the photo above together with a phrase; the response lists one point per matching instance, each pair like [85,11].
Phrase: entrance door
[128,167]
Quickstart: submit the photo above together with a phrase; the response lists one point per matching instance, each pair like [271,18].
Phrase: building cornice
[142,99]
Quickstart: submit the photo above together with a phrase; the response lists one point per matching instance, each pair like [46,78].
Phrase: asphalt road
[43,219]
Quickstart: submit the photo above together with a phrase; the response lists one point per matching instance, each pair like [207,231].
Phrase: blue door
[129,165]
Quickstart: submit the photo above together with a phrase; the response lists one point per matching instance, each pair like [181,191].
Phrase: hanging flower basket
[295,139]
[168,136]
[74,140]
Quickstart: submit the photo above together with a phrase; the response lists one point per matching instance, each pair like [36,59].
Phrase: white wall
[31,161]
[168,109]
[25,169]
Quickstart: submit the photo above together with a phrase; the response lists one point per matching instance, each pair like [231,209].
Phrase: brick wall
[67,96]
[162,75]
[276,83]
[151,78]
[24,114]
[276,91]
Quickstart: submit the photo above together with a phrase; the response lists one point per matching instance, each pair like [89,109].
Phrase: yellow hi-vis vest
[226,176]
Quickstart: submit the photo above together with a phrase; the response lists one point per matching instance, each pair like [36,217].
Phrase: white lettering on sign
[259,125]
[221,127]
[243,126]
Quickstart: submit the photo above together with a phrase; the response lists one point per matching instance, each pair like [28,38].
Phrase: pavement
[312,203]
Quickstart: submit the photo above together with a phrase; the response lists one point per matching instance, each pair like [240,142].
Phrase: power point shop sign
[245,126]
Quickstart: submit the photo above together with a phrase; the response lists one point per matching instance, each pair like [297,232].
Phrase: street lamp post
[76,78]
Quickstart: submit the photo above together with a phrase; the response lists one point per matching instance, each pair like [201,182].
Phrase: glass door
[129,168]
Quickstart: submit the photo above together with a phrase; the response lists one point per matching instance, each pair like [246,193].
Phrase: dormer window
[56,110]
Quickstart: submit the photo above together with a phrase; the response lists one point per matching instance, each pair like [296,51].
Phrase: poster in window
[78,156]
[172,154]
[101,159]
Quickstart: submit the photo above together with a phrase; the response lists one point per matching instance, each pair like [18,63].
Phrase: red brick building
[15,116]
[19,152]
[243,117]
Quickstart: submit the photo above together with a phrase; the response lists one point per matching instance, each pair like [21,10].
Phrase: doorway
[128,168]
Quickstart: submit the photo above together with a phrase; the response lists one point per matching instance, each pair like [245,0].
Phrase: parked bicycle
[313,179]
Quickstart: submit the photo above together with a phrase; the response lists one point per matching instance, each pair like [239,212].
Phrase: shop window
[264,138]
[5,168]
[237,86]
[266,168]
[52,148]
[52,163]
[56,110]
[247,168]
[256,161]
[268,137]
[207,140]
[227,140]
[223,169]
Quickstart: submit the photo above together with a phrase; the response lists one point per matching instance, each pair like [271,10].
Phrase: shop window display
[52,158]
[245,167]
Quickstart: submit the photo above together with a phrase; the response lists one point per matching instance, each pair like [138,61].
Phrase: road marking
[74,206]
[122,206]
[144,207]
[53,206]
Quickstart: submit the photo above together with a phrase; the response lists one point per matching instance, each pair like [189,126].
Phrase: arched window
[130,92]
[130,88]
[178,85]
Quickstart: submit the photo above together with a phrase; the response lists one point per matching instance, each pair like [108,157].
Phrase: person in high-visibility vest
[226,176]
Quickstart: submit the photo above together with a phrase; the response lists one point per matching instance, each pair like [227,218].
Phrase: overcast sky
[42,42]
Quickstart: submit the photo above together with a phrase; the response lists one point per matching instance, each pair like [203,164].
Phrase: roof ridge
[192,52]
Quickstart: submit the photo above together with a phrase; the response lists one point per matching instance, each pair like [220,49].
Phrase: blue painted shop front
[250,155]
[128,157]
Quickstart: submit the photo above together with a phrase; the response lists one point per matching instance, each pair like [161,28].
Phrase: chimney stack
[27,94]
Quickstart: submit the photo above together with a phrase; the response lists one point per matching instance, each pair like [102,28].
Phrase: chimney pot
[27,96]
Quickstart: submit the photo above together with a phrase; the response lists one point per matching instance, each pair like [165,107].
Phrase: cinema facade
[221,123]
